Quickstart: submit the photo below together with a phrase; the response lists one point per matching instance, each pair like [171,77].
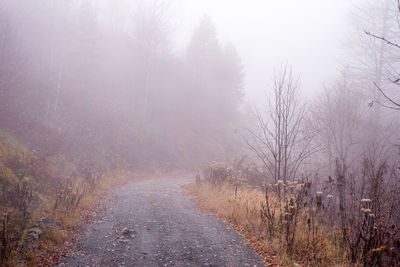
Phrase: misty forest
[199,133]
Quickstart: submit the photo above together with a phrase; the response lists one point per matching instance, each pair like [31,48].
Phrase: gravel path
[152,223]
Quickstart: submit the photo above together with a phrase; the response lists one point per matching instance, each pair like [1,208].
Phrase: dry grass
[242,207]
[70,219]
[241,211]
[51,243]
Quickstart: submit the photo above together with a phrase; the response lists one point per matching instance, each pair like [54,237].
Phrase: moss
[7,177]
[9,144]
[11,151]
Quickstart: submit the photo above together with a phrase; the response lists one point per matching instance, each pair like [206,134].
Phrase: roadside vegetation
[299,221]
[42,200]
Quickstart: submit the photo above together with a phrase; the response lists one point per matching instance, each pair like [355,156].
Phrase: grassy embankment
[43,200]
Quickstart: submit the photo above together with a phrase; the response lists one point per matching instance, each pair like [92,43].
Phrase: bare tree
[342,120]
[280,141]
[337,119]
[373,51]
[150,32]
[378,23]
[392,104]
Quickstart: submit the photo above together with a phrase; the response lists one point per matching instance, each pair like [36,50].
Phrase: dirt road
[152,223]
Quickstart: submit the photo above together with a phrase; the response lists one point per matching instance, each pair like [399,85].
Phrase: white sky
[270,33]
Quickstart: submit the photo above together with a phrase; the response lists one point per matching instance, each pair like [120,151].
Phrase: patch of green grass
[9,145]
[7,177]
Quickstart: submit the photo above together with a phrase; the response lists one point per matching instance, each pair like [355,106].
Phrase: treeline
[86,80]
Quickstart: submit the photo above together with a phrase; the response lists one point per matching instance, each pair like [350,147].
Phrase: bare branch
[383,39]
[388,98]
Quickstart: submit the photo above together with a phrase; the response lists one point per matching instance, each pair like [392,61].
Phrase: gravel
[151,223]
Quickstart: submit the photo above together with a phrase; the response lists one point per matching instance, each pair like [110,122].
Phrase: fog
[146,72]
[279,113]
[308,34]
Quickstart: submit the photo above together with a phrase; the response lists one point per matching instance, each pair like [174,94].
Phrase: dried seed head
[280,182]
[319,194]
[329,196]
[366,200]
[371,215]
[367,210]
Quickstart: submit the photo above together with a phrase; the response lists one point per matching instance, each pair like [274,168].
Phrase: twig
[383,39]
[388,98]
